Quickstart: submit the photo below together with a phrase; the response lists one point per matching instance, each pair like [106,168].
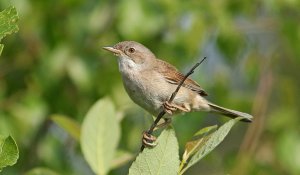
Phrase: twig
[162,113]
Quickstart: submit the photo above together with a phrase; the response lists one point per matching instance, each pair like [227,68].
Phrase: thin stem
[162,113]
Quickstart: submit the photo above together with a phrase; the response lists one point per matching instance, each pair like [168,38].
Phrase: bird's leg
[148,139]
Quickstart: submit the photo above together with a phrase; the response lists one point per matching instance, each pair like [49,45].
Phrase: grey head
[131,52]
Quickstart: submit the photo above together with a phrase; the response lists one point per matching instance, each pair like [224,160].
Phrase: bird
[150,81]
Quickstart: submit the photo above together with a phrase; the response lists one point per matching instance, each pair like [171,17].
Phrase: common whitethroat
[150,82]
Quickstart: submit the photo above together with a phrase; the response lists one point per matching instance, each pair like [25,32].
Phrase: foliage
[197,149]
[100,136]
[9,152]
[163,159]
[8,23]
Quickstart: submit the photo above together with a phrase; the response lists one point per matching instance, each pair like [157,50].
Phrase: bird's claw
[169,108]
[148,140]
[172,107]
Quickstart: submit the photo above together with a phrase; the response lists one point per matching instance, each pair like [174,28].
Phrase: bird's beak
[113,50]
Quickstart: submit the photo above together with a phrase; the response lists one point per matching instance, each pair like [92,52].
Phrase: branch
[162,113]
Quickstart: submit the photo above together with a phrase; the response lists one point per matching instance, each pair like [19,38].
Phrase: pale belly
[148,94]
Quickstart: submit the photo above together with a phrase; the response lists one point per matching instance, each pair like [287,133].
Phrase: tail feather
[230,113]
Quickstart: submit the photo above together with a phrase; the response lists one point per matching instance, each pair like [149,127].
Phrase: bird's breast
[145,90]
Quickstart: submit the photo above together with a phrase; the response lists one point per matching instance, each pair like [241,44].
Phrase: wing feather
[175,77]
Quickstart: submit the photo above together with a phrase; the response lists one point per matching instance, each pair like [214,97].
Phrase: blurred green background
[55,65]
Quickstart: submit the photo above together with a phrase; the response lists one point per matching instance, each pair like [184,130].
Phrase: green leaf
[68,124]
[9,152]
[210,142]
[162,159]
[8,23]
[100,134]
[194,145]
[41,171]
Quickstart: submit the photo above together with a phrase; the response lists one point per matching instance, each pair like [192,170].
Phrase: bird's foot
[171,107]
[148,140]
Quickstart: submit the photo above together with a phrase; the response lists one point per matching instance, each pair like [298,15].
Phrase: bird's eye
[131,50]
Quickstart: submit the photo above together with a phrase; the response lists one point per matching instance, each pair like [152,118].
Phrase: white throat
[127,65]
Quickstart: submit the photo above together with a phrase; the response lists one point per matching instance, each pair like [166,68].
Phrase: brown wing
[175,77]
